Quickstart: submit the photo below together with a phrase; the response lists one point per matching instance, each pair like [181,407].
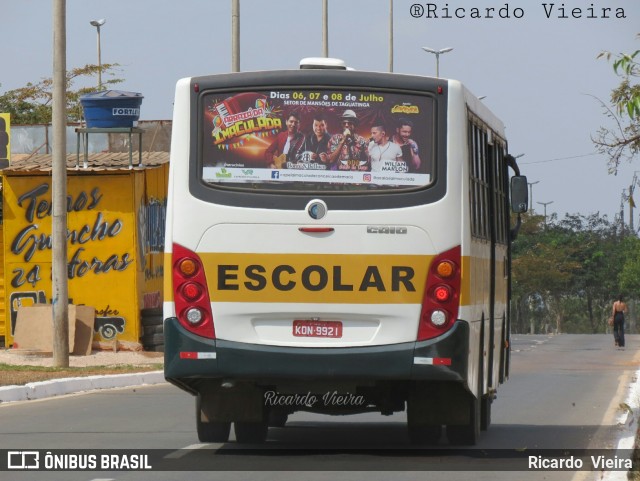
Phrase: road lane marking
[184,451]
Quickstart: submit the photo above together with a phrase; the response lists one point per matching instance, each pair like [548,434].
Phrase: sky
[538,72]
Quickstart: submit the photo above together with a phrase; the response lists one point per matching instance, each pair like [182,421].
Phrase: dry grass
[19,375]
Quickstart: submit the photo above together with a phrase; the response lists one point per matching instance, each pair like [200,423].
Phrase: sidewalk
[62,386]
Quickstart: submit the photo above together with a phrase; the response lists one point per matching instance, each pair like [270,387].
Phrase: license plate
[317,328]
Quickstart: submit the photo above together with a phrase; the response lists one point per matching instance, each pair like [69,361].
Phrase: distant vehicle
[375,277]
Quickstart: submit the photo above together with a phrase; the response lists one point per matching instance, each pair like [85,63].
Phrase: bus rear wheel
[251,432]
[419,429]
[213,432]
[424,434]
[210,432]
[277,418]
[467,434]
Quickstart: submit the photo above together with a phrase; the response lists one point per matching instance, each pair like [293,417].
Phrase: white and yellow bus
[338,242]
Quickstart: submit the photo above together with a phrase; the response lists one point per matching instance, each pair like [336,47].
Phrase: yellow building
[115,244]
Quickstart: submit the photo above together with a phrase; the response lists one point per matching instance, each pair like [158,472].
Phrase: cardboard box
[85,319]
[34,329]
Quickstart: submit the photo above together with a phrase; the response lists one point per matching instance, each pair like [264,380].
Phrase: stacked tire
[152,330]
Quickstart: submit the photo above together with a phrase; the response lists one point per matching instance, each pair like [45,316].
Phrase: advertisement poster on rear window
[340,137]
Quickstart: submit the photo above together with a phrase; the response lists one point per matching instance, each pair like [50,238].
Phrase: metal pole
[437,54]
[325,28]
[622,214]
[60,298]
[631,201]
[235,35]
[99,23]
[99,62]
[545,204]
[631,207]
[531,184]
[390,35]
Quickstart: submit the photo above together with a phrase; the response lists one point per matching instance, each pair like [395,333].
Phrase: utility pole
[98,24]
[235,35]
[325,28]
[60,298]
[390,35]
[624,194]
[545,204]
[531,184]
[632,203]
[437,53]
[631,206]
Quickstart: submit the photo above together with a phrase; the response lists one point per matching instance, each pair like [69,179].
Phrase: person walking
[618,310]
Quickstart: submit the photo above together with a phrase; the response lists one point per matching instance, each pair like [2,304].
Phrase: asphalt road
[564,393]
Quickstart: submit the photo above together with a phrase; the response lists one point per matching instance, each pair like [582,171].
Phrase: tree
[544,267]
[32,103]
[599,253]
[623,140]
[567,272]
[630,275]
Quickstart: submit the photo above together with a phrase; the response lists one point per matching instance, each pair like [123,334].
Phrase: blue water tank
[111,108]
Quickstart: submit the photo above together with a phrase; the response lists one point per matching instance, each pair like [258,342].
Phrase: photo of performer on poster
[327,136]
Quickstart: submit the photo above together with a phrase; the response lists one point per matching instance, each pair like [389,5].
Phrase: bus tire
[278,418]
[421,434]
[251,432]
[467,434]
[216,432]
[210,432]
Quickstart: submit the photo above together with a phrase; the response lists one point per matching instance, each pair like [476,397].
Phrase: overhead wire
[559,158]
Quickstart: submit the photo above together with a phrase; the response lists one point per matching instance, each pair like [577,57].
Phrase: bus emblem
[384,229]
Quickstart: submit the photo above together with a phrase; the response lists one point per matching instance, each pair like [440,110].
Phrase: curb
[60,387]
[628,425]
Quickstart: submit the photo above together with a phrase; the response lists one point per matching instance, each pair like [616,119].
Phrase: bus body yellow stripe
[326,278]
[317,278]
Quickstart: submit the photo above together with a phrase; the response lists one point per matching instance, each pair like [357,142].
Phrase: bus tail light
[190,293]
[441,295]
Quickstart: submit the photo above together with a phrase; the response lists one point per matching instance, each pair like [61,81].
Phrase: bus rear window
[317,139]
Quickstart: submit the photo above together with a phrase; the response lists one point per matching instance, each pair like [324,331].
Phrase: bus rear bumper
[190,359]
